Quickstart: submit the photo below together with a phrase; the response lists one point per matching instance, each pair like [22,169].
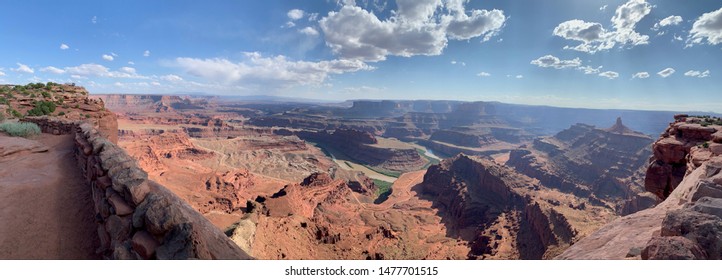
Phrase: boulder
[144,244]
[672,248]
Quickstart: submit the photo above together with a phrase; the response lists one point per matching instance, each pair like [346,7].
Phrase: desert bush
[2,116]
[20,129]
[46,94]
[42,108]
[16,114]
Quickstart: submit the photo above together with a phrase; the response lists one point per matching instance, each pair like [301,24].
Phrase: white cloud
[483,74]
[670,20]
[588,70]
[666,72]
[698,74]
[519,76]
[289,24]
[603,8]
[310,31]
[146,53]
[416,28]
[22,68]
[707,27]
[131,63]
[94,20]
[593,37]
[2,73]
[609,74]
[129,70]
[555,62]
[53,70]
[108,57]
[295,14]
[678,38]
[97,70]
[640,75]
[64,47]
[171,78]
[276,72]
[458,62]
[313,17]
[154,83]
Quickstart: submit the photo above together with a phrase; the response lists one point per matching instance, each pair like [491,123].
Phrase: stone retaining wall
[138,218]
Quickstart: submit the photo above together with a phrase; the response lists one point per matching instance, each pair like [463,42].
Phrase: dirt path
[46,210]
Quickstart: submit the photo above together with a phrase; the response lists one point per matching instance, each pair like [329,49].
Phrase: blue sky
[636,54]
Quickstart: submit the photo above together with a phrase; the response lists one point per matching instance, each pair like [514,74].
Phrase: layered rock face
[602,165]
[362,146]
[684,146]
[322,218]
[686,225]
[503,214]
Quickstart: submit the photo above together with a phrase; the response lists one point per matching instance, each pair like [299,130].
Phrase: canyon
[388,179]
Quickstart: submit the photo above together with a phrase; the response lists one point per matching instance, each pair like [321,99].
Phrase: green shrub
[2,116]
[42,108]
[16,114]
[32,95]
[705,145]
[4,100]
[46,94]
[61,114]
[22,129]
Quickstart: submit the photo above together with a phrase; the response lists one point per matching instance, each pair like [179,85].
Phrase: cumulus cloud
[698,74]
[171,78]
[589,70]
[310,31]
[483,74]
[415,28]
[108,57]
[2,73]
[295,14]
[707,27]
[609,74]
[603,8]
[146,53]
[666,72]
[640,75]
[22,68]
[259,70]
[553,61]
[64,47]
[131,63]
[53,70]
[593,37]
[550,61]
[670,20]
[519,76]
[97,70]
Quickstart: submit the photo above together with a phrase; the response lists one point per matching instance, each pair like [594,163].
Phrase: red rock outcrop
[479,199]
[686,225]
[684,146]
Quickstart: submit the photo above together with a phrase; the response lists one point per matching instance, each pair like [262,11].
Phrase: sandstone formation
[603,165]
[686,224]
[364,148]
[503,214]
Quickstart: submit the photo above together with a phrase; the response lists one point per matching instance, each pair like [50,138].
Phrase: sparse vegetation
[42,108]
[46,94]
[61,114]
[705,145]
[15,113]
[20,129]
[383,191]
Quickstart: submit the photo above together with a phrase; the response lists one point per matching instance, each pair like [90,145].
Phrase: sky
[626,54]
